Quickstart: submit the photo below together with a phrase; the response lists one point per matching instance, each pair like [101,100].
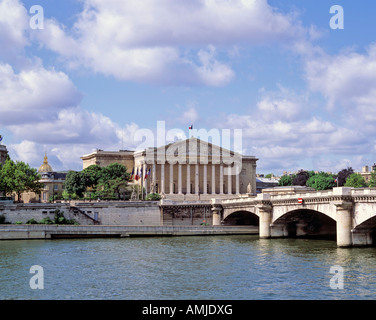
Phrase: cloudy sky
[303,94]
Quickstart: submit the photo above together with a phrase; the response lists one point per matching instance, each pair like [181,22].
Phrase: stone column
[229,181]
[265,215]
[154,177]
[237,183]
[196,179]
[213,179]
[180,179]
[344,223]
[171,178]
[205,179]
[163,178]
[145,183]
[221,178]
[188,178]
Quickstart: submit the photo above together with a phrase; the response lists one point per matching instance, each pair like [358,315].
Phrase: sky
[77,75]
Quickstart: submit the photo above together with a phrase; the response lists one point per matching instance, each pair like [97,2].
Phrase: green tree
[302,177]
[75,184]
[355,180]
[113,181]
[19,177]
[372,180]
[321,181]
[92,175]
[343,175]
[285,181]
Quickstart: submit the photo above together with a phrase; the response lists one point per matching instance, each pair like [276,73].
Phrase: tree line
[324,181]
[95,182]
[18,177]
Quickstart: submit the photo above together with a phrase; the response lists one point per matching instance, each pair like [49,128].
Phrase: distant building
[3,154]
[53,184]
[264,183]
[366,172]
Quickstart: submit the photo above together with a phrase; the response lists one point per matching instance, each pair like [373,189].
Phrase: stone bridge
[345,214]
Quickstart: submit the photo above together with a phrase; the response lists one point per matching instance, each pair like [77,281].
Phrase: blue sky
[99,71]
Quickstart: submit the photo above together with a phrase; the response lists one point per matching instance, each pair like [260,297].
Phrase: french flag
[132,174]
[191,127]
[147,174]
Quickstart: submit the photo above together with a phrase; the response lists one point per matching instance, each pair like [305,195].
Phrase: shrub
[46,220]
[153,197]
[32,221]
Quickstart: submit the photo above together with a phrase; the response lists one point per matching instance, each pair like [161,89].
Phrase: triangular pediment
[193,147]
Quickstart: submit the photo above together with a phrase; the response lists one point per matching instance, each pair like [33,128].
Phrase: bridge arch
[241,217]
[305,222]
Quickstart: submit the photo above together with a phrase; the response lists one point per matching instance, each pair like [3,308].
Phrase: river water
[182,268]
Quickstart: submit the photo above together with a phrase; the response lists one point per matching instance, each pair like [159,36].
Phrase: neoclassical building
[187,169]
[53,184]
[3,153]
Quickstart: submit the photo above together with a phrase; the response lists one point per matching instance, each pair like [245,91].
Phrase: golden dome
[45,167]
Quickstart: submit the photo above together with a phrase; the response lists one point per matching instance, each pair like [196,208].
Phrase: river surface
[182,268]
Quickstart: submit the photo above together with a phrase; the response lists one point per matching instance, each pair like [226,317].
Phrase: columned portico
[190,168]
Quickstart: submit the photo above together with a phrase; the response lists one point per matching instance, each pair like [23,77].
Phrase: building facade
[187,169]
[53,185]
[3,154]
[366,172]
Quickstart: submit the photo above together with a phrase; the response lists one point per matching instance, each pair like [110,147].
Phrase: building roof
[45,167]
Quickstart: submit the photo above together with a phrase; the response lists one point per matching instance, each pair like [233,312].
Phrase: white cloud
[13,29]
[347,80]
[162,41]
[34,94]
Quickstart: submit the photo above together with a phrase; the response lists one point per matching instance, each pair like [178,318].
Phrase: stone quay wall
[90,213]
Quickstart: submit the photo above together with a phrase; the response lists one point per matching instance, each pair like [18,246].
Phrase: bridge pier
[344,223]
[265,214]
[216,213]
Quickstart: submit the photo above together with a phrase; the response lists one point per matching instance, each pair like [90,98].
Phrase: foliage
[153,197]
[321,181]
[75,184]
[97,182]
[59,218]
[269,175]
[91,175]
[355,180]
[46,220]
[19,177]
[302,177]
[285,181]
[32,221]
[343,175]
[372,181]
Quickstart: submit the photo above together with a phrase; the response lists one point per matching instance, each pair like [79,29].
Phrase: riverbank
[29,232]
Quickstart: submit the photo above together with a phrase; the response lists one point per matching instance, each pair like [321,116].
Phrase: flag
[137,176]
[147,174]
[132,174]
[1,138]
[191,127]
[141,173]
